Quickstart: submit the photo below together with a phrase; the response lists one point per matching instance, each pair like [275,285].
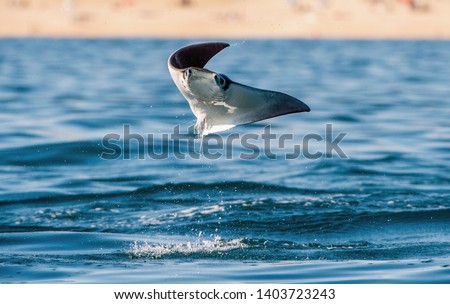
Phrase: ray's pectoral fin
[246,105]
[256,104]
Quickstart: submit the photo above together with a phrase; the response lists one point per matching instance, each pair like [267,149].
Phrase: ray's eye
[221,81]
[187,73]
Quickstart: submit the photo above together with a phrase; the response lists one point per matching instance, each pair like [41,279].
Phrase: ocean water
[71,211]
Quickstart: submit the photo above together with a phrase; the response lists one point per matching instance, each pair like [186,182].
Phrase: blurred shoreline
[359,19]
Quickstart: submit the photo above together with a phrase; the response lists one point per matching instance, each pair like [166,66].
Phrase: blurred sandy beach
[227,18]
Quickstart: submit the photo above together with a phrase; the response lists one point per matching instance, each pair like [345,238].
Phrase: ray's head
[205,84]
[186,67]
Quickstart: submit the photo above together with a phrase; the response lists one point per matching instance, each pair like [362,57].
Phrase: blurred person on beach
[19,3]
[415,5]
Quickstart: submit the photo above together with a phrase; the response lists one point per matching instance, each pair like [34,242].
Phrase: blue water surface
[72,211]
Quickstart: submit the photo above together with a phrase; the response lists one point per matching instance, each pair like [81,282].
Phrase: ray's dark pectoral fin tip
[196,55]
[304,107]
[218,102]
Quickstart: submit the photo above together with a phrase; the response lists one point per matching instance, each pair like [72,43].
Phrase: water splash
[203,247]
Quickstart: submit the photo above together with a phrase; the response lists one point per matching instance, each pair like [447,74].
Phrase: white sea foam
[145,249]
[185,213]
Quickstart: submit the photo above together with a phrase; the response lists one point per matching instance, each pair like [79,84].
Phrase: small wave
[166,192]
[345,118]
[56,154]
[18,88]
[224,186]
[190,212]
